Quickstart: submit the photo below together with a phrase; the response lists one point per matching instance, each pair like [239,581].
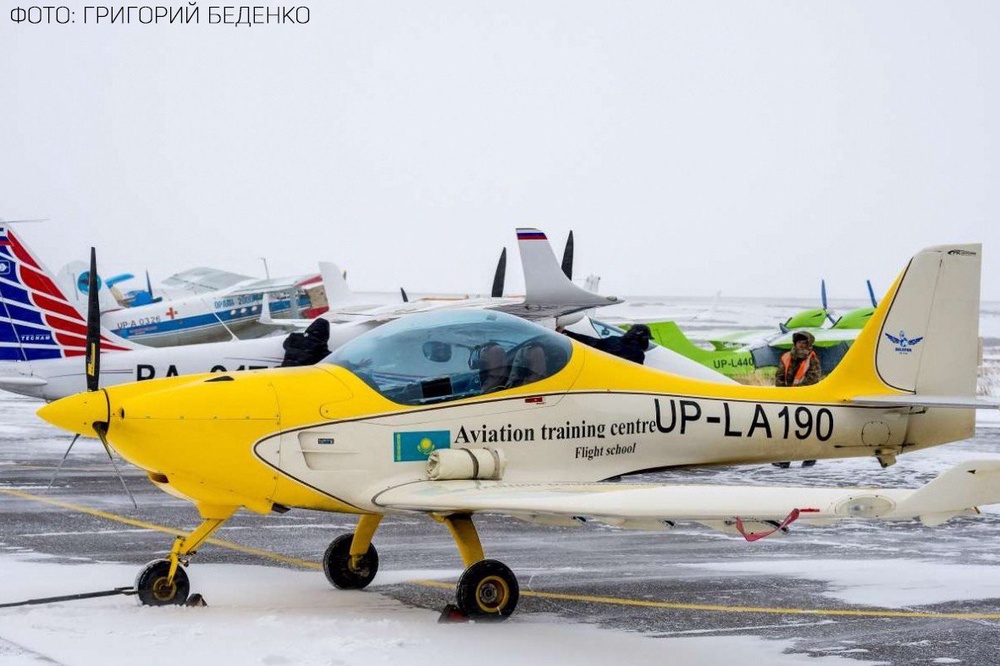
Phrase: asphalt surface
[656,583]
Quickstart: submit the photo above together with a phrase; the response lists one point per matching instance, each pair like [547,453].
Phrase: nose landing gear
[155,587]
[164,582]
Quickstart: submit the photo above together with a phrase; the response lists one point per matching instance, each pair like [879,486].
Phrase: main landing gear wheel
[339,569]
[487,590]
[153,589]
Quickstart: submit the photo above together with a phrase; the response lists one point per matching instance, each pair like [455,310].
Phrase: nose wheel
[154,587]
[487,590]
[346,571]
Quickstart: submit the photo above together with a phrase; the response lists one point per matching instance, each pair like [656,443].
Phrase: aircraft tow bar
[127,591]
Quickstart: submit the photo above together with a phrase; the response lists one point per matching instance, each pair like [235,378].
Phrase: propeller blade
[567,260]
[500,276]
[93,356]
[101,429]
[149,286]
[61,462]
[822,295]
[871,294]
[402,291]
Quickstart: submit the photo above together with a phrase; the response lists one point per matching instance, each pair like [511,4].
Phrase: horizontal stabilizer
[970,484]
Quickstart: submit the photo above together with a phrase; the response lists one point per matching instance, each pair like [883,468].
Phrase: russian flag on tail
[530,234]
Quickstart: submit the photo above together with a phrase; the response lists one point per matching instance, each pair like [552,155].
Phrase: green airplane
[742,354]
[811,320]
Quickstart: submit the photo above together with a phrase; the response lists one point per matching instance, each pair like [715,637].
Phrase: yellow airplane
[449,414]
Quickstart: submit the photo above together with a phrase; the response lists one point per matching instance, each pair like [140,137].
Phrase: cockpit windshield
[605,330]
[440,356]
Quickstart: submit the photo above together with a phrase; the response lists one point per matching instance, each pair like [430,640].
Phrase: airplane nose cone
[77,413]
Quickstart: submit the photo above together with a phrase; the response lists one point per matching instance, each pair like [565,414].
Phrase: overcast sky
[692,147]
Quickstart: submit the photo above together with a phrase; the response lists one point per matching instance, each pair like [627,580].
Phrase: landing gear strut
[164,582]
[488,589]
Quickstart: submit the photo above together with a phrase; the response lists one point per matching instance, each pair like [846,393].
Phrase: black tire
[338,569]
[152,587]
[487,590]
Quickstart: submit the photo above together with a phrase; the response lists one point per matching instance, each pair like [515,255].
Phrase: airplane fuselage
[321,438]
[196,319]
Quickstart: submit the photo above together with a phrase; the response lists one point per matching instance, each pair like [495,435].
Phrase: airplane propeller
[567,260]
[826,309]
[406,299]
[149,288]
[499,276]
[871,293]
[93,370]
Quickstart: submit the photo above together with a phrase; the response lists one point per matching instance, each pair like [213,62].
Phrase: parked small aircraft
[195,306]
[747,352]
[453,413]
[841,329]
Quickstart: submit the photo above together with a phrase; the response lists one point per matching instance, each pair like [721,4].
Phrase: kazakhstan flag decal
[415,446]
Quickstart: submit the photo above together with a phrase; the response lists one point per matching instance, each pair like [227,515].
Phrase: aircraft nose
[78,413]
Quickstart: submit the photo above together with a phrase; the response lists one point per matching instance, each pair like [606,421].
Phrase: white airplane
[198,305]
[43,337]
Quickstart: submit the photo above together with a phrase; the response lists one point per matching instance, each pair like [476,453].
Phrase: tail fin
[37,321]
[668,334]
[921,346]
[338,294]
[73,279]
[924,337]
[544,281]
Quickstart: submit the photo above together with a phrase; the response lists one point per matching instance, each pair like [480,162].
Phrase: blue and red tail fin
[37,321]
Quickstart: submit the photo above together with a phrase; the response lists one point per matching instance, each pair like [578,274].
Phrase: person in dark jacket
[799,367]
[632,346]
[309,347]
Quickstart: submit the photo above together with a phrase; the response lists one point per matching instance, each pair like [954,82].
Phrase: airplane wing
[740,339]
[925,401]
[956,492]
[273,285]
[824,337]
[22,380]
[203,280]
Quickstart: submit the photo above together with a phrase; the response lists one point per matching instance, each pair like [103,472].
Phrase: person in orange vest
[799,367]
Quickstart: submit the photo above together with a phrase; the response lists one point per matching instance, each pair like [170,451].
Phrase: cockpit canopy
[441,356]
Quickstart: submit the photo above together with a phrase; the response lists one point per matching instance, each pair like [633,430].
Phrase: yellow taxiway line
[615,601]
[160,528]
